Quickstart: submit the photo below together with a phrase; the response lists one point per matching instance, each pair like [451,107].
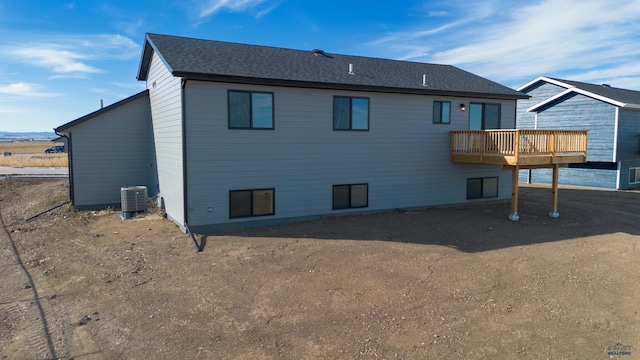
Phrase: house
[612,117]
[231,135]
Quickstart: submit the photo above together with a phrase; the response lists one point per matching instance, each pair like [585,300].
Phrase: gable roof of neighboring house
[252,64]
[105,109]
[615,96]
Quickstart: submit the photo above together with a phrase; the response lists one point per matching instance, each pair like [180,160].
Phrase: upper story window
[250,110]
[484,116]
[350,113]
[441,112]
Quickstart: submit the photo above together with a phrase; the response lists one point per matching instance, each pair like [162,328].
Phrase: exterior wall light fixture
[463,107]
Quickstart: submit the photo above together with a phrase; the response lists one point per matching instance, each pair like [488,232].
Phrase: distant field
[30,154]
[26,147]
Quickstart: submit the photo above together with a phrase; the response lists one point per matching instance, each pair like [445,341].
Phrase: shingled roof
[241,63]
[616,96]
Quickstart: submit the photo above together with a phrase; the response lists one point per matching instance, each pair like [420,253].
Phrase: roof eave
[341,86]
[545,79]
[582,92]
[145,60]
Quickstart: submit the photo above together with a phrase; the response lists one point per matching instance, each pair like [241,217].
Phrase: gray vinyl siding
[538,92]
[166,104]
[111,151]
[403,157]
[584,113]
[575,177]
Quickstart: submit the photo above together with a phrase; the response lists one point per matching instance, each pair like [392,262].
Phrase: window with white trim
[634,175]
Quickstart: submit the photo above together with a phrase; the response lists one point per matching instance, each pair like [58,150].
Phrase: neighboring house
[612,117]
[231,135]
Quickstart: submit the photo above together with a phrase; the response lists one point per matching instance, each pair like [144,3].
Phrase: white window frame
[636,172]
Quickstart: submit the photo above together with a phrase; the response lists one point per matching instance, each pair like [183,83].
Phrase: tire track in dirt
[24,328]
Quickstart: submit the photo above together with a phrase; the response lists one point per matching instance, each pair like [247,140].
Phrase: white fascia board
[582,92]
[551,99]
[545,79]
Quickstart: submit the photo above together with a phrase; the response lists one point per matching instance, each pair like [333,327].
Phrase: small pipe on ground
[46,211]
[198,247]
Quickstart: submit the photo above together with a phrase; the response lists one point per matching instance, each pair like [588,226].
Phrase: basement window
[350,196]
[248,203]
[482,188]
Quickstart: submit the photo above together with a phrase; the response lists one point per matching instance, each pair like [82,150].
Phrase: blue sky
[59,58]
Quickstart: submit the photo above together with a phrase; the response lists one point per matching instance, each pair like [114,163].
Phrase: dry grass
[44,160]
[26,147]
[31,154]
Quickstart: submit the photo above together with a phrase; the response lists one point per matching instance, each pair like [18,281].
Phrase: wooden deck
[523,148]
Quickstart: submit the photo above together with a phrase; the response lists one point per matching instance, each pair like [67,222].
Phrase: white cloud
[100,90]
[136,85]
[438,13]
[512,43]
[58,60]
[131,27]
[418,44]
[72,56]
[210,7]
[25,89]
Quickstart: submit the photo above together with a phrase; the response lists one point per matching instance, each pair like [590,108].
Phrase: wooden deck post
[554,193]
[514,194]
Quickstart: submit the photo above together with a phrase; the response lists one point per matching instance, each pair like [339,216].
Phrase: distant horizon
[26,132]
[24,135]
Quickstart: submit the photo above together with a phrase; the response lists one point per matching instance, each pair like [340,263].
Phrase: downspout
[185,193]
[70,164]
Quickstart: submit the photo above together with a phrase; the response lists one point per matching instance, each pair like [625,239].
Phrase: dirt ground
[442,283]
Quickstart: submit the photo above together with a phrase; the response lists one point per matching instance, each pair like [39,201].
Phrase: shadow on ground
[477,227]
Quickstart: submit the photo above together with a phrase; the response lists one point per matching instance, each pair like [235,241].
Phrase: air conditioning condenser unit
[133,201]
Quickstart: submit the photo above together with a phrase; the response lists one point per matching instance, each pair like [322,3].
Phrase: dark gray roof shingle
[613,93]
[234,62]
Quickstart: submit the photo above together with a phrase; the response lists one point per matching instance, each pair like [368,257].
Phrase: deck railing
[515,143]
